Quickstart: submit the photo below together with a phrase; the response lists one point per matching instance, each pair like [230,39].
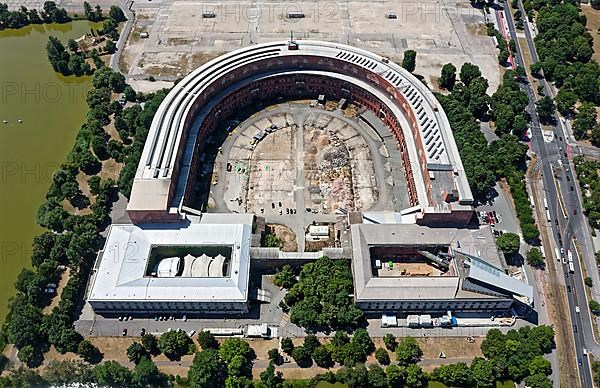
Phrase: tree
[453,375]
[110,46]
[274,356]
[565,101]
[545,109]
[363,341]
[415,378]
[109,28]
[535,258]
[285,278]
[135,352]
[66,372]
[113,374]
[207,340]
[382,356]
[88,352]
[150,343]
[588,281]
[536,69]
[322,356]
[174,344]
[31,356]
[67,341]
[94,184]
[302,356]
[595,136]
[287,345]
[232,347]
[320,299]
[585,120]
[390,342]
[408,351]
[88,11]
[239,366]
[594,307]
[520,72]
[311,342]
[348,354]
[42,247]
[539,365]
[73,46]
[538,381]
[146,374]
[509,243]
[448,76]
[207,370]
[409,61]
[57,55]
[22,325]
[353,377]
[468,72]
[269,378]
[482,372]
[395,376]
[116,13]
[376,377]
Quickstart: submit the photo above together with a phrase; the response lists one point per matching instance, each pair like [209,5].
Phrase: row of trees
[502,45]
[518,354]
[518,189]
[95,14]
[173,344]
[22,17]
[587,175]
[321,298]
[74,372]
[503,158]
[468,102]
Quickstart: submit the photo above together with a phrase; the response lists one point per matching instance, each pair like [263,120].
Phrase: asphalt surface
[568,224]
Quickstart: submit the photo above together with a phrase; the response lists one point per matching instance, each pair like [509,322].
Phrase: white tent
[167,268]
[216,267]
[189,263]
[204,262]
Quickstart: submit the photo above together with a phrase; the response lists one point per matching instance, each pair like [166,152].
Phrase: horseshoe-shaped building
[437,186]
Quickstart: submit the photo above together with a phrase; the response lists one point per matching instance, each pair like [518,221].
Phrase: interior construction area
[412,262]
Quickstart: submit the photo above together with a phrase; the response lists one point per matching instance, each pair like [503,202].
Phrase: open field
[180,38]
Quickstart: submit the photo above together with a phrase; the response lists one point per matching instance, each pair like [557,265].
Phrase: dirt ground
[110,169]
[64,278]
[113,348]
[287,236]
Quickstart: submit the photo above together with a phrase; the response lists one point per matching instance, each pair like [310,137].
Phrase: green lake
[52,108]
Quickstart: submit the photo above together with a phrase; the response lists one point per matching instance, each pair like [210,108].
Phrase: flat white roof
[120,275]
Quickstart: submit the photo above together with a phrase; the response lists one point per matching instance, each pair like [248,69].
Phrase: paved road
[566,226]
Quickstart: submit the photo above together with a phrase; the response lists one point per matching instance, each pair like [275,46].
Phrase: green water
[52,108]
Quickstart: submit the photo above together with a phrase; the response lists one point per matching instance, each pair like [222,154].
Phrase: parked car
[124,332]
